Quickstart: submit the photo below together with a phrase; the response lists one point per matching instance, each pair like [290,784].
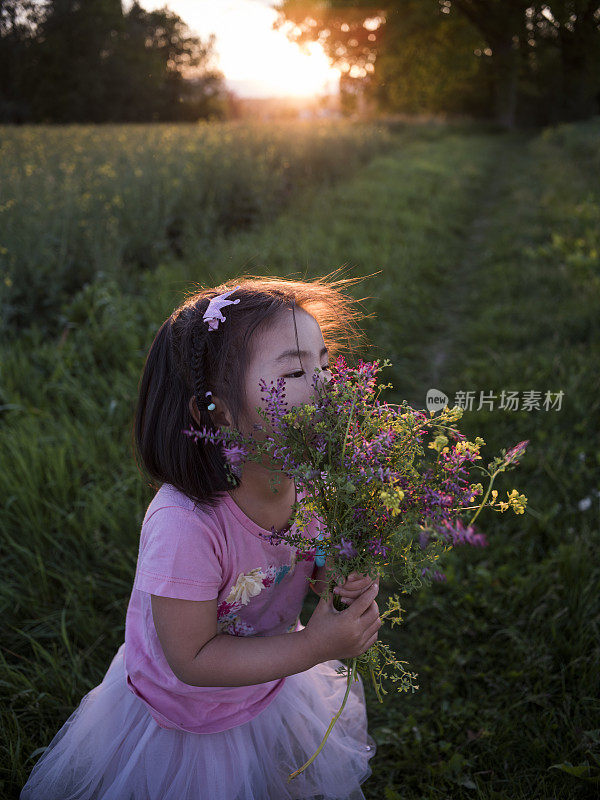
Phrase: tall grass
[80,200]
[472,233]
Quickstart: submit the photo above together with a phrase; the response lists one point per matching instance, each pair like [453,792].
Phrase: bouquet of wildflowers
[389,484]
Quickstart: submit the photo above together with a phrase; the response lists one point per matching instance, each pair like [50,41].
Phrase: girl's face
[276,355]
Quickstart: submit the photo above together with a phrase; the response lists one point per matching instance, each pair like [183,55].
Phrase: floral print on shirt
[247,586]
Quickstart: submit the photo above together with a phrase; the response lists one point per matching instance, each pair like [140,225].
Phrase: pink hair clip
[213,314]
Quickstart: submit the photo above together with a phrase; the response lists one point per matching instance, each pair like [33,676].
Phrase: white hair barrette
[212,316]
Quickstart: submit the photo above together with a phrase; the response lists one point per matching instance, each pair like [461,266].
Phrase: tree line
[68,61]
[515,61]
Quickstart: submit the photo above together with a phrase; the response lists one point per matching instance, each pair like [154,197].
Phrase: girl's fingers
[356,586]
[353,586]
[354,593]
[344,592]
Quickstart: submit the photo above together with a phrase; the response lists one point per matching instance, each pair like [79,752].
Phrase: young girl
[218,692]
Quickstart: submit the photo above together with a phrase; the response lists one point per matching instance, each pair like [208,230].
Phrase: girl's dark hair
[186,359]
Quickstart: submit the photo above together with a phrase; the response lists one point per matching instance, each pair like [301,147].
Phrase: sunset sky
[256,60]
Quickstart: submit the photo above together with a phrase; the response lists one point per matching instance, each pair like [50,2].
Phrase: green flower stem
[487,494]
[344,450]
[329,729]
[351,678]
[375,685]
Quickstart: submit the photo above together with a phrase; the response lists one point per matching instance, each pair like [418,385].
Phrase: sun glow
[250,53]
[286,70]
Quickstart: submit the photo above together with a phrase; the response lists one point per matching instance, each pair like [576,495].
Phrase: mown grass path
[509,154]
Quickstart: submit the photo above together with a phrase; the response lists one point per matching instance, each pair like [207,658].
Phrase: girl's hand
[343,634]
[354,585]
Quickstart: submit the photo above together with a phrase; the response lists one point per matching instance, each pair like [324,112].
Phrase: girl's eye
[301,372]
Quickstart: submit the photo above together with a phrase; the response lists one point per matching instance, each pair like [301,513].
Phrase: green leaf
[581,771]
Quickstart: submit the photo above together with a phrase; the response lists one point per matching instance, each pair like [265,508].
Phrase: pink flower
[516,452]
[306,555]
[226,608]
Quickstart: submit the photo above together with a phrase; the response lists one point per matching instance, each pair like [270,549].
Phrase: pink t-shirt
[196,553]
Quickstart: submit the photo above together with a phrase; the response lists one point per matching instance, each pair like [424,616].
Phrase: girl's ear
[219,414]
[194,410]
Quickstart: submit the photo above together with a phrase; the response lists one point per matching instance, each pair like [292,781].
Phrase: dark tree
[502,25]
[156,52]
[19,23]
[74,47]
[570,30]
[85,61]
[514,60]
[412,55]
[431,61]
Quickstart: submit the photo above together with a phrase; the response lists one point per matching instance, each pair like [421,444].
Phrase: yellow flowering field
[78,201]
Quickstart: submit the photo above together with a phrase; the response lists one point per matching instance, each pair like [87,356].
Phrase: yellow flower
[517,501]
[391,500]
[469,447]
[439,442]
[246,586]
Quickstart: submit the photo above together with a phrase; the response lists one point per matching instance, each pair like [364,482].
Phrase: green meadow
[479,253]
[76,201]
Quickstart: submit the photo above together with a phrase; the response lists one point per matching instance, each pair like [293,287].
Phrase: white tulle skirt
[111,748]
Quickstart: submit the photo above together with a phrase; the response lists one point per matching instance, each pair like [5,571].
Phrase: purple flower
[461,535]
[347,549]
[436,575]
[234,454]
[275,537]
[217,437]
[274,400]
[377,548]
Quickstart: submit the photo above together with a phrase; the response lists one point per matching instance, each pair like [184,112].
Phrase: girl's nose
[323,377]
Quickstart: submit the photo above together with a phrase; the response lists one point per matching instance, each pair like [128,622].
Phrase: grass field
[488,246]
[76,201]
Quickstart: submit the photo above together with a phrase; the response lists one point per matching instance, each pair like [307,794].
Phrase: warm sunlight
[283,69]
[256,60]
